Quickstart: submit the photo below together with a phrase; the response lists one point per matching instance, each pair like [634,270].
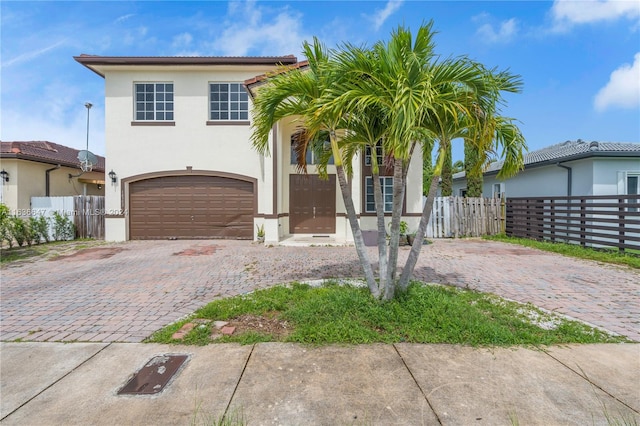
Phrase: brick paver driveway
[125,292]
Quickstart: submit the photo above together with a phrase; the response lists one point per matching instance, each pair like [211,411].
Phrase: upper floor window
[310,157]
[154,101]
[228,101]
[379,154]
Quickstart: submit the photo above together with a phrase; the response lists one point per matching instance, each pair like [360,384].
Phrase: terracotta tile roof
[45,152]
[571,150]
[262,77]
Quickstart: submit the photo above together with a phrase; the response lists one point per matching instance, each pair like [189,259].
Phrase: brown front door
[312,204]
[190,207]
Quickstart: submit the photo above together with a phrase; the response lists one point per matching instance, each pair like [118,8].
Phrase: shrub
[39,228]
[5,225]
[63,227]
[19,230]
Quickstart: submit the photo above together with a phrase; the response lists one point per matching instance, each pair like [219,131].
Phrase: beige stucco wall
[28,179]
[133,150]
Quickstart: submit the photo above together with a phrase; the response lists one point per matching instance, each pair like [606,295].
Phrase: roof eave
[20,156]
[93,61]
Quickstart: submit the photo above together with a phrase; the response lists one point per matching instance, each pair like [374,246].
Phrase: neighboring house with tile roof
[570,168]
[177,134]
[42,168]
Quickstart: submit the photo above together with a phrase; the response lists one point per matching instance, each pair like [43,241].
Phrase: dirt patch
[96,253]
[263,325]
[197,251]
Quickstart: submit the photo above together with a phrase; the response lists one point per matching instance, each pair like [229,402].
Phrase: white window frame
[386,183]
[626,183]
[463,192]
[500,189]
[630,175]
[379,154]
[160,101]
[236,101]
[311,156]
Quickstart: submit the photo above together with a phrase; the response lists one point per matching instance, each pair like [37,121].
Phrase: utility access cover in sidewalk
[154,376]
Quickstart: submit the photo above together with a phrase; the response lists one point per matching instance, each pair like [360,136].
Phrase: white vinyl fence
[86,213]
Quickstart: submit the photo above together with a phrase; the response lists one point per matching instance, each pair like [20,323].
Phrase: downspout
[569,175]
[46,181]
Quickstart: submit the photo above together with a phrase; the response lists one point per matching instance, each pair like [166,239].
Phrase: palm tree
[300,93]
[397,94]
[485,131]
[388,78]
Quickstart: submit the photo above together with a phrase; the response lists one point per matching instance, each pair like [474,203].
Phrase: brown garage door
[190,207]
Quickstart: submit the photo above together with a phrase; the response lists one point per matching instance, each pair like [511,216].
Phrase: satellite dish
[87,160]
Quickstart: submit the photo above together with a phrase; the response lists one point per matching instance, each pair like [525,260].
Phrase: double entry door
[312,204]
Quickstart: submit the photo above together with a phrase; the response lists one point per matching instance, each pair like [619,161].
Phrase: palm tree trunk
[382,231]
[410,264]
[447,171]
[473,170]
[345,189]
[398,196]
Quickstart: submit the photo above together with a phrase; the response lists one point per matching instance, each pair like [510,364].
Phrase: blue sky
[580,60]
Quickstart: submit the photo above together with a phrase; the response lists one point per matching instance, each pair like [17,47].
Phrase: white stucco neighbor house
[571,168]
[177,135]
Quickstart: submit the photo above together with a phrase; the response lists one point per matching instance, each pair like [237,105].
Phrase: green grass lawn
[350,315]
[632,258]
[53,248]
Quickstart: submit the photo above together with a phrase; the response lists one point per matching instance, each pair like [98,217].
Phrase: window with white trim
[153,101]
[386,184]
[498,189]
[310,154]
[633,188]
[228,102]
[379,154]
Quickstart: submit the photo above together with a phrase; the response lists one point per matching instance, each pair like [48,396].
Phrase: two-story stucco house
[177,135]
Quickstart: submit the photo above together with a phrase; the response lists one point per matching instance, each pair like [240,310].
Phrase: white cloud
[60,117]
[569,12]
[381,15]
[506,32]
[135,36]
[124,18]
[255,34]
[182,41]
[72,132]
[27,56]
[623,88]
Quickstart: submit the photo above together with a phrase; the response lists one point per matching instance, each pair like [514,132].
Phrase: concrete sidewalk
[275,383]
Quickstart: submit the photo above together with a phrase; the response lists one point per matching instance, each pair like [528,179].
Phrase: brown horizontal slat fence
[593,221]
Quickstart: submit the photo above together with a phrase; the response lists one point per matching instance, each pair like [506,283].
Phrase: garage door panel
[191,207]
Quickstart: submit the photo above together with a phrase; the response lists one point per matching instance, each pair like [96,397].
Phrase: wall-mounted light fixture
[4,175]
[99,186]
[113,176]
